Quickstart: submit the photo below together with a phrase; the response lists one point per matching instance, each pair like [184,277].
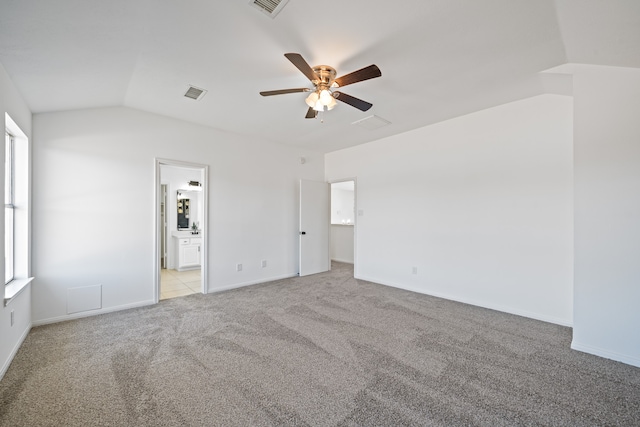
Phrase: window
[9,209]
[16,210]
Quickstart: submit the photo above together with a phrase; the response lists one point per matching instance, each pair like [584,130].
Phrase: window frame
[9,198]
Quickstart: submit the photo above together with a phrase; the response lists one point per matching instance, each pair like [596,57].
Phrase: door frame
[163,226]
[204,171]
[355,219]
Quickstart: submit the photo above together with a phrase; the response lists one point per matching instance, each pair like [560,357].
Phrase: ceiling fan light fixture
[325,97]
[312,99]
[319,106]
[194,186]
[332,103]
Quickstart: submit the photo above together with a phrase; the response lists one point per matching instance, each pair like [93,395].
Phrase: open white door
[315,201]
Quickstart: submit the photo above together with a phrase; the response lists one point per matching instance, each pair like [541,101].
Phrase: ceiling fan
[323,93]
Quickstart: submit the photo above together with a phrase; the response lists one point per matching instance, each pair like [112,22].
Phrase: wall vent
[195,93]
[372,122]
[269,7]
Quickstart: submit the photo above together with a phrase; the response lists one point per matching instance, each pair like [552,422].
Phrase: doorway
[181,229]
[343,221]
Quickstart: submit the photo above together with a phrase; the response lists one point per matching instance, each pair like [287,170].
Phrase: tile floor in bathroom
[175,283]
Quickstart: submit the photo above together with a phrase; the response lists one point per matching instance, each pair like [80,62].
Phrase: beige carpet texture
[322,350]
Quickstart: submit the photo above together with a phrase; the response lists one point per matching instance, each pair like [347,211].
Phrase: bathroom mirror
[183,205]
[187,209]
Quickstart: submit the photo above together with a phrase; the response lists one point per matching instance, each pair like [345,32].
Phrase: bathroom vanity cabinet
[189,250]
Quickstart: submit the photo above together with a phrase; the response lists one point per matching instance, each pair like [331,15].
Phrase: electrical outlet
[238,267]
[12,318]
[414,270]
[264,263]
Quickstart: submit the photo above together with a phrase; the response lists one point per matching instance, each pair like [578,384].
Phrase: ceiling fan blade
[353,101]
[297,60]
[366,73]
[283,91]
[311,114]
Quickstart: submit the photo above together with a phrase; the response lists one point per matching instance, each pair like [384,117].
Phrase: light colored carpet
[324,350]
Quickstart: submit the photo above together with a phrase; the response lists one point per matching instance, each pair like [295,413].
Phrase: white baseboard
[14,351]
[89,313]
[346,261]
[254,282]
[607,354]
[57,319]
[197,267]
[504,309]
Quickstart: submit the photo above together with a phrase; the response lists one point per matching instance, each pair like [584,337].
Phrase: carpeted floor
[324,350]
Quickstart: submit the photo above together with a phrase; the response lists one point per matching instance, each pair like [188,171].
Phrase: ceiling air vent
[372,122]
[195,93]
[269,7]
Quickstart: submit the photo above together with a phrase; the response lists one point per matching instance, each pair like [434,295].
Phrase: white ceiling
[439,58]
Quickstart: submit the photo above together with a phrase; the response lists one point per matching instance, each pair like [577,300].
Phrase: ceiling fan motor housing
[326,76]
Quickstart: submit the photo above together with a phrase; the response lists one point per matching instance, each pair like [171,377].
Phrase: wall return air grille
[269,7]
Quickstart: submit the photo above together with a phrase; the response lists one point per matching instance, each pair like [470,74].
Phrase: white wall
[88,164]
[12,103]
[486,202]
[607,212]
[341,248]
[342,206]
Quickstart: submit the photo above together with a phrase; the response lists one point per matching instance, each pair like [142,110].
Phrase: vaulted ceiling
[439,58]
